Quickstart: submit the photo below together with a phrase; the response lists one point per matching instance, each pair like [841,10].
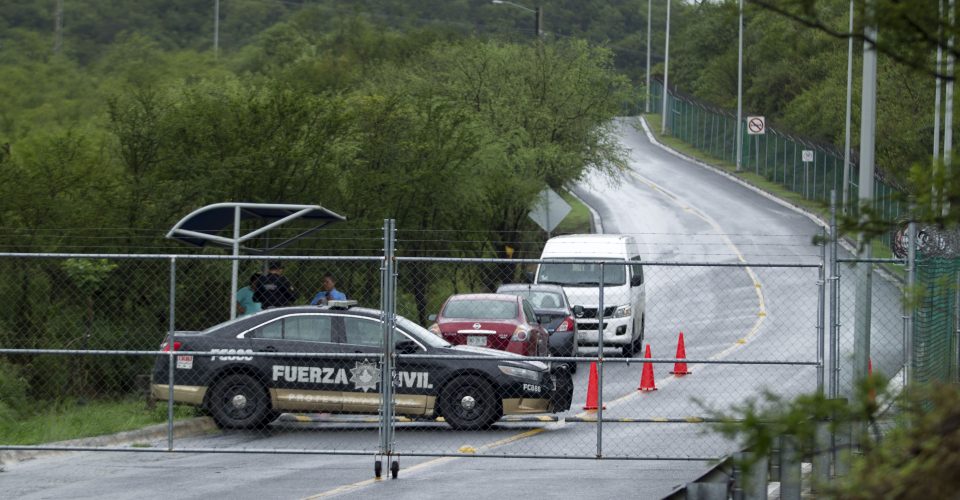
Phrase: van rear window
[582,274]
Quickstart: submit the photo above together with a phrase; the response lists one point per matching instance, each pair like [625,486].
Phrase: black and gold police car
[241,389]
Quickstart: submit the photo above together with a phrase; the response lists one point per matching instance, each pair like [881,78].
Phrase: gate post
[600,330]
[172,354]
[821,311]
[908,311]
[388,304]
[790,468]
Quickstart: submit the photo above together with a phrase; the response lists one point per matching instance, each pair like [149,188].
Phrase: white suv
[624,297]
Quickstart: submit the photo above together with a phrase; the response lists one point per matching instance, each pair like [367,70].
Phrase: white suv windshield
[582,274]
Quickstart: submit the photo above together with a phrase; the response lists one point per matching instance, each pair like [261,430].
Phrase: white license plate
[184,362]
[478,340]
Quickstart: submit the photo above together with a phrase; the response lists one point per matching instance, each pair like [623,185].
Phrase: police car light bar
[341,304]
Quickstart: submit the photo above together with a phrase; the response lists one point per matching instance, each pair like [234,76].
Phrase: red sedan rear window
[480,309]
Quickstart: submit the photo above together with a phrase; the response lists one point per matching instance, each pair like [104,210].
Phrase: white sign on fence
[756,125]
[807,155]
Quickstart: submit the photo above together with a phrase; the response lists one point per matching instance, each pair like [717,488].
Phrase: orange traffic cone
[592,389]
[680,368]
[646,377]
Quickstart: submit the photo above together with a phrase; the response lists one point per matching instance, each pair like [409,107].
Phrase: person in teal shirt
[245,303]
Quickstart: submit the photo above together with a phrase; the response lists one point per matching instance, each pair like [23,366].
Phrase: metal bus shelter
[205,226]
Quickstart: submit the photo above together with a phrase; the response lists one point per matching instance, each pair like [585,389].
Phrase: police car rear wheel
[240,402]
[469,403]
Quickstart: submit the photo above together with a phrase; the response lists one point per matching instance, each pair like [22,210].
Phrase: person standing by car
[329,291]
[274,289]
[245,303]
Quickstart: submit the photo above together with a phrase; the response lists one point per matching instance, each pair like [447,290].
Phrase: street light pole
[538,21]
[868,121]
[666,73]
[58,27]
[537,15]
[845,202]
[216,28]
[935,193]
[647,100]
[740,92]
[948,105]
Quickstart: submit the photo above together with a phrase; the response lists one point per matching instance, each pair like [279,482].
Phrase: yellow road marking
[429,463]
[762,314]
[360,484]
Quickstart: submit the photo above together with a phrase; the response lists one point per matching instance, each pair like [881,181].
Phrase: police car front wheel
[469,403]
[240,402]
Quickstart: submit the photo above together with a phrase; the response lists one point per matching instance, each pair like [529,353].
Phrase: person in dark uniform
[274,289]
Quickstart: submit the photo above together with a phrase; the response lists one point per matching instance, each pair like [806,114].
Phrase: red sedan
[496,321]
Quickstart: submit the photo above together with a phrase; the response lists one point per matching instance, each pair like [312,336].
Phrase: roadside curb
[816,218]
[596,223]
[181,429]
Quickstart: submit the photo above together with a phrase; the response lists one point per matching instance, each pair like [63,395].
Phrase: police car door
[362,335]
[301,383]
[414,389]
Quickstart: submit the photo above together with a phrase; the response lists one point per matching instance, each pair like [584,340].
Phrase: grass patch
[68,420]
[578,220]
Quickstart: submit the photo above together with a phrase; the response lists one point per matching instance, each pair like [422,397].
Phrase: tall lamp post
[647,100]
[846,128]
[740,92]
[537,14]
[216,28]
[666,73]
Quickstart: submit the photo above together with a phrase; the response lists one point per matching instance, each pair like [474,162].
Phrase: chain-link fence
[492,357]
[935,327]
[870,319]
[775,155]
[88,336]
[745,330]
[487,357]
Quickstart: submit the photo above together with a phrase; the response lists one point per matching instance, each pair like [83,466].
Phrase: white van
[624,298]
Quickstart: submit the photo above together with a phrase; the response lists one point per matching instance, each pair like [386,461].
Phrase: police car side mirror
[407,347]
[529,276]
[432,317]
[578,311]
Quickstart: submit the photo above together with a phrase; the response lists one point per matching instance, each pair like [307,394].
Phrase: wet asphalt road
[682,214]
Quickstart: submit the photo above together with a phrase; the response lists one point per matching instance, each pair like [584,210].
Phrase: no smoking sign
[756,125]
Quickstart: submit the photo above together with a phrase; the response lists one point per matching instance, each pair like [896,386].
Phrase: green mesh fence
[775,155]
[934,326]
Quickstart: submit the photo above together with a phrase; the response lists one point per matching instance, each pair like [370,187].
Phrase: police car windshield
[421,333]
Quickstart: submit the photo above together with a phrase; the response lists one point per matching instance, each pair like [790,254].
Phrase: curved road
[683,214]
